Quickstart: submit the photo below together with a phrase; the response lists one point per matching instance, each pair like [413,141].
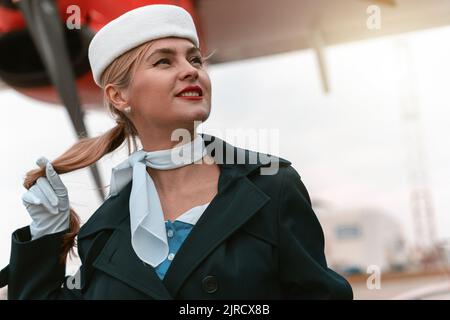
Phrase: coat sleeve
[303,268]
[34,270]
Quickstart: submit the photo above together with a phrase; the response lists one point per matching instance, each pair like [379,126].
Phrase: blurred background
[357,93]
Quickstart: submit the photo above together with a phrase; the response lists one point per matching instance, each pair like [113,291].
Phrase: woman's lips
[192,98]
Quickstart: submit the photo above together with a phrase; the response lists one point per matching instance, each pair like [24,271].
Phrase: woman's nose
[188,71]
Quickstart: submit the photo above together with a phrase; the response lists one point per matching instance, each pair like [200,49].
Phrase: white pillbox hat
[136,27]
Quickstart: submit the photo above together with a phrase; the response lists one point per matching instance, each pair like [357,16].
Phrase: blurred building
[358,238]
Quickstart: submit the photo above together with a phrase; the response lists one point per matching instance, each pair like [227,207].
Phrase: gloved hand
[47,202]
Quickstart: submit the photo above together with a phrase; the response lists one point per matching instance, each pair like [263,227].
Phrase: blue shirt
[177,231]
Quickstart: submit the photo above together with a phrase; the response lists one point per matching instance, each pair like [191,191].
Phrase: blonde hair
[89,150]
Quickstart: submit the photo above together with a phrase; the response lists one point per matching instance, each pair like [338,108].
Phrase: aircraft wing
[239,29]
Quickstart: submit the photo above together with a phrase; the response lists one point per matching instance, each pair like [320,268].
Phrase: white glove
[47,202]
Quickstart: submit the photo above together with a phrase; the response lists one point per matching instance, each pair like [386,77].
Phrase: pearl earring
[127,109]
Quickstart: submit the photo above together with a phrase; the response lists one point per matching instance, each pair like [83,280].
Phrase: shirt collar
[192,215]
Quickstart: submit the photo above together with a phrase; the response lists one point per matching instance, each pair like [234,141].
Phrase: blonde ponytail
[82,154]
[89,150]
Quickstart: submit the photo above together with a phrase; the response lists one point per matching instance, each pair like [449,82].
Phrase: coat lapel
[119,260]
[115,256]
[238,199]
[227,212]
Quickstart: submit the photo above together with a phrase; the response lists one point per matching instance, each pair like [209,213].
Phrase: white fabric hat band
[135,28]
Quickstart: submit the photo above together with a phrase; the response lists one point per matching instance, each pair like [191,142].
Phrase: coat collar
[217,222]
[229,172]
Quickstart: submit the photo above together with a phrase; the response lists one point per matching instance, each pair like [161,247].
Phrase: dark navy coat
[258,239]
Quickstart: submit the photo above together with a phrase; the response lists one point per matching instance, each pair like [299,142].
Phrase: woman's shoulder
[271,166]
[277,174]
[242,159]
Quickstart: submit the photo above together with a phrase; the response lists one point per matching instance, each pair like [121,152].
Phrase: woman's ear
[118,97]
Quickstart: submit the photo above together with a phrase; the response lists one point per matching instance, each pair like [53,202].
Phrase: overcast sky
[348,146]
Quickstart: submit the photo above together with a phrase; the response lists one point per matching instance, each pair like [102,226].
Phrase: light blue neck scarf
[148,232]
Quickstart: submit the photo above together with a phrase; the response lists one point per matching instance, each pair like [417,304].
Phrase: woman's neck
[163,140]
[191,177]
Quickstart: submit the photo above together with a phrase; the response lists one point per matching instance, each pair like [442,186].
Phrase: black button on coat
[258,239]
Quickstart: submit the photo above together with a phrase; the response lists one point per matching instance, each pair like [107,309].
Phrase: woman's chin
[199,113]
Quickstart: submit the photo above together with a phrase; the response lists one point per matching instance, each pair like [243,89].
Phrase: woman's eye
[161,61]
[198,60]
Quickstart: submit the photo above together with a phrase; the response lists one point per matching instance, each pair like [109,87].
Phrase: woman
[181,221]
